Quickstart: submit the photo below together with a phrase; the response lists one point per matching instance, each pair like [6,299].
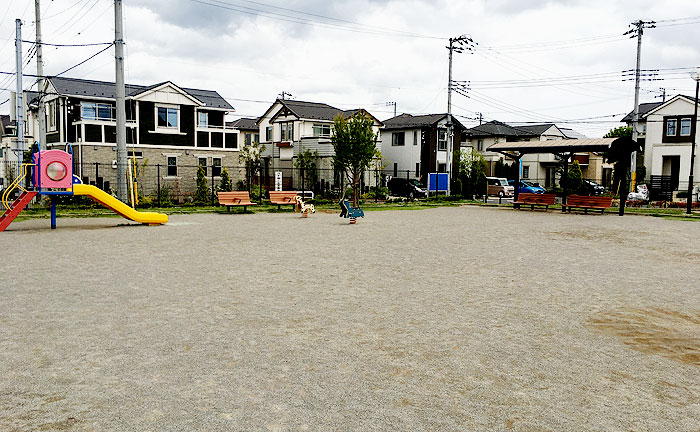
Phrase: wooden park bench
[283,198]
[587,203]
[229,199]
[533,199]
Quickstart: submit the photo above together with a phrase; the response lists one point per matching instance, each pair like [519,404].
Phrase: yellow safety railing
[16,184]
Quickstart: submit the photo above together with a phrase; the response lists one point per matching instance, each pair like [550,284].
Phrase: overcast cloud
[251,51]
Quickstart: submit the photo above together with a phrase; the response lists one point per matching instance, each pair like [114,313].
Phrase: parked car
[527,187]
[406,188]
[593,188]
[499,186]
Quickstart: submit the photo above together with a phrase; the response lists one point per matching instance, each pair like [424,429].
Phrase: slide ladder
[16,208]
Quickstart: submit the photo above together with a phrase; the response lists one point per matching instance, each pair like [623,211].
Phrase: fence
[161,185]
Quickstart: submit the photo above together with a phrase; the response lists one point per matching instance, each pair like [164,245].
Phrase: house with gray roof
[644,108]
[173,128]
[290,127]
[415,145]
[247,129]
[542,168]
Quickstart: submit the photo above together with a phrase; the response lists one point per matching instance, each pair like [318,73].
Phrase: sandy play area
[450,319]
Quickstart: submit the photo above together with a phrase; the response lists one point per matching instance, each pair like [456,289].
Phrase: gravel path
[447,319]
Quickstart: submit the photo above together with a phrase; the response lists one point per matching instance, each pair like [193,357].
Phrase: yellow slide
[119,207]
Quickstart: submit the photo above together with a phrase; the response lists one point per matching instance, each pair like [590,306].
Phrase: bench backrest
[597,201]
[283,196]
[534,198]
[233,196]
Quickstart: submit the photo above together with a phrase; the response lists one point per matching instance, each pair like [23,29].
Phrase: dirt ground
[448,319]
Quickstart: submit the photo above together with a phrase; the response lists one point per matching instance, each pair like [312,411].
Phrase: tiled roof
[537,129]
[572,134]
[643,109]
[406,121]
[315,110]
[104,89]
[244,124]
[496,128]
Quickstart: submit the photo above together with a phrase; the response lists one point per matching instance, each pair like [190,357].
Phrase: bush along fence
[157,185]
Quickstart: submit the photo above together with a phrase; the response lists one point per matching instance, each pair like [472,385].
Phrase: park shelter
[618,149]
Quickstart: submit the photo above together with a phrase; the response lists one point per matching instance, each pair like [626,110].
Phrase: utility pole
[285,94]
[19,96]
[637,31]
[457,44]
[40,73]
[392,104]
[481,118]
[120,94]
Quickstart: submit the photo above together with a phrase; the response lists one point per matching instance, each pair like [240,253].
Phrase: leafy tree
[306,162]
[622,131]
[575,179]
[250,157]
[355,146]
[226,185]
[472,173]
[201,194]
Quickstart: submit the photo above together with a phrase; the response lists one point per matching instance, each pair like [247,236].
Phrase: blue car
[527,187]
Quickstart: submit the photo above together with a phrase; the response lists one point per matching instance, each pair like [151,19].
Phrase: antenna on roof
[284,95]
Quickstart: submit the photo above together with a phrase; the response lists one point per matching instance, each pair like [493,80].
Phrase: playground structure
[304,208]
[349,212]
[51,174]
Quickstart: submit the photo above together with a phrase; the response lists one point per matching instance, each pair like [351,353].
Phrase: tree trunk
[354,188]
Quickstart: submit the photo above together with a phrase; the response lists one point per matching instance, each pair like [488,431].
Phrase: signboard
[278,180]
[438,182]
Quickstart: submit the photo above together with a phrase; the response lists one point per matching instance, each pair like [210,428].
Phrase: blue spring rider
[349,212]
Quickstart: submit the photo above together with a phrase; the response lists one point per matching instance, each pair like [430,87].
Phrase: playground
[449,319]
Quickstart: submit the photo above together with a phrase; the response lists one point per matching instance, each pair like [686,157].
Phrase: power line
[71,45]
[85,61]
[309,22]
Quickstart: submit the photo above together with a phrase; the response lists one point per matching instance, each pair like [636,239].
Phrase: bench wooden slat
[588,202]
[283,197]
[234,199]
[533,200]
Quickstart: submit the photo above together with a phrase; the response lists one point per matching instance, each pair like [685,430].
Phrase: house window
[526,171]
[203,119]
[95,111]
[417,169]
[172,166]
[480,145]
[397,138]
[216,167]
[322,130]
[415,137]
[287,131]
[247,139]
[203,164]
[685,127]
[442,168]
[51,116]
[268,133]
[167,117]
[442,139]
[671,125]
[256,138]
[396,169]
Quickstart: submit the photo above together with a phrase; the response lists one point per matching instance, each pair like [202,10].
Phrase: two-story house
[415,145]
[171,128]
[290,127]
[669,137]
[247,129]
[644,108]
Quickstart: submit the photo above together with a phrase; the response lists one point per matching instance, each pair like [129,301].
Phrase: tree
[201,194]
[225,185]
[472,173]
[575,179]
[250,156]
[306,162]
[355,146]
[622,131]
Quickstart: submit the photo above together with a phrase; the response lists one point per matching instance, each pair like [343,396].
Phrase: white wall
[407,156]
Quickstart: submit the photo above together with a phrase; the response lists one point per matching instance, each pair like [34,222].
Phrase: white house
[669,137]
[290,127]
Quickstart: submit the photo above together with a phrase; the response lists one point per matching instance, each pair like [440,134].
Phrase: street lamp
[696,76]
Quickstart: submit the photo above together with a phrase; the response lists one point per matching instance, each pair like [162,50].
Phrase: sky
[531,61]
